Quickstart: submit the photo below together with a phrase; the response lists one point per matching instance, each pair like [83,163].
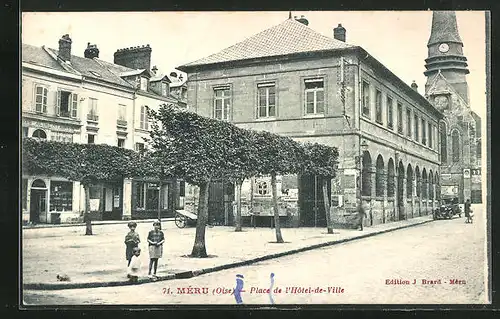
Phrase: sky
[398,39]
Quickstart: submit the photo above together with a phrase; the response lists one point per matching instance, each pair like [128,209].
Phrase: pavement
[99,260]
[96,222]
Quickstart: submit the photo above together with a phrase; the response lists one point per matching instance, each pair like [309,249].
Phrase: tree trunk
[279,238]
[86,216]
[326,200]
[238,206]
[199,249]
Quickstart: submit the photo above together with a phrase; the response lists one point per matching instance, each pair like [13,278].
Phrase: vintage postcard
[255,158]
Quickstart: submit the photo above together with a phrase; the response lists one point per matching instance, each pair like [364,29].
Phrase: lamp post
[363,148]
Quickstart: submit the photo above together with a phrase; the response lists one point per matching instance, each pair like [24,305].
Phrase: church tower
[445,54]
[459,133]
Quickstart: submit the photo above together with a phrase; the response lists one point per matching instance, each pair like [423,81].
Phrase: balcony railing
[93,117]
[121,123]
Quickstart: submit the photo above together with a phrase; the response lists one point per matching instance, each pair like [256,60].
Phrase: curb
[193,273]
[94,223]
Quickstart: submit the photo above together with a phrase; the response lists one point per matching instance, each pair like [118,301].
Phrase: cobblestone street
[441,251]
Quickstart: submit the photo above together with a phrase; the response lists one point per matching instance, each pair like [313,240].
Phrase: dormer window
[144,83]
[164,89]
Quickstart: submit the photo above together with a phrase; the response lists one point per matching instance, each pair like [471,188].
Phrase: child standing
[132,241]
[135,265]
[156,238]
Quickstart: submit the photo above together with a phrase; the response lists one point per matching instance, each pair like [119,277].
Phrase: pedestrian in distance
[88,223]
[361,215]
[156,238]
[132,241]
[467,212]
[134,267]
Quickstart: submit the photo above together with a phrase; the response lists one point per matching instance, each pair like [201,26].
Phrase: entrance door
[220,197]
[38,204]
[311,202]
[117,203]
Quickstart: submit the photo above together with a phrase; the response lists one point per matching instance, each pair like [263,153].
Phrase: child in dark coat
[132,241]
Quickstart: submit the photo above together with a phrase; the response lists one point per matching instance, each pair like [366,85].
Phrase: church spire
[444,28]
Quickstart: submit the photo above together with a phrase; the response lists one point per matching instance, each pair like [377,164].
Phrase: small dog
[63,277]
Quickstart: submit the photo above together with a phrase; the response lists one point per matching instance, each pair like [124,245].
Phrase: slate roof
[444,28]
[87,66]
[37,55]
[288,37]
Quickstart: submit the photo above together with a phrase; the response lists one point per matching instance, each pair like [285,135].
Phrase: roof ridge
[64,64]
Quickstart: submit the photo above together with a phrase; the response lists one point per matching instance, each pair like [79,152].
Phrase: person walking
[132,241]
[156,238]
[467,212]
[361,215]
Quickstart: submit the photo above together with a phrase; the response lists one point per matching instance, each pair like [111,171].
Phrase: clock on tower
[443,47]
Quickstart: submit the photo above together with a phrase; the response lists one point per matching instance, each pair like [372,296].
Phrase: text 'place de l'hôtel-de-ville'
[400,152]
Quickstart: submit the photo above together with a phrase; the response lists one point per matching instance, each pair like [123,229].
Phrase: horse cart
[185,218]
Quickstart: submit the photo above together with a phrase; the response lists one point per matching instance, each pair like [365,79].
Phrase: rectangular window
[390,115]
[144,83]
[416,135]
[41,99]
[91,139]
[378,107]
[366,99]
[139,147]
[314,96]
[25,132]
[424,137]
[122,112]
[408,122]
[266,100]
[92,113]
[222,100]
[67,104]
[121,142]
[24,193]
[143,123]
[148,196]
[400,118]
[61,196]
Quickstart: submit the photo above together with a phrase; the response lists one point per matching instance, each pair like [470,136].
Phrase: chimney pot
[302,20]
[414,86]
[91,51]
[339,33]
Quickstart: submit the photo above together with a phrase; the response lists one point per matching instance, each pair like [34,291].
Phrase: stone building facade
[460,129]
[293,81]
[76,99]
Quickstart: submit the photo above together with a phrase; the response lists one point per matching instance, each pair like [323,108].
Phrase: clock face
[443,47]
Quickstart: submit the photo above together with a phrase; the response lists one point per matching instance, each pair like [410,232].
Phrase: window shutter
[58,103]
[44,100]
[74,105]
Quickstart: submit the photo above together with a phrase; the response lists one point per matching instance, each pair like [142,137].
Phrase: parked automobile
[449,207]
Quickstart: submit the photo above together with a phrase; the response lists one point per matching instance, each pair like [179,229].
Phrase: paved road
[351,273]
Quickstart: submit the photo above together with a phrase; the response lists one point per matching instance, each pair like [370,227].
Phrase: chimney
[65,48]
[302,20]
[134,57]
[91,51]
[414,86]
[339,33]
[154,69]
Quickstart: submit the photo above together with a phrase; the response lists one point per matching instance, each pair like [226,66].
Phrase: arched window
[366,178]
[379,177]
[444,142]
[39,134]
[431,185]
[409,181]
[419,181]
[390,178]
[424,184]
[455,146]
[38,183]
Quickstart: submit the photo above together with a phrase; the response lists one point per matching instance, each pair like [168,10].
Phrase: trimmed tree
[277,155]
[321,160]
[88,164]
[194,148]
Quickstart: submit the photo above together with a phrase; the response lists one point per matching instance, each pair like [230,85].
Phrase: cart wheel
[180,221]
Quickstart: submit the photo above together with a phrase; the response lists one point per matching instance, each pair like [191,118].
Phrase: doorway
[38,204]
[311,201]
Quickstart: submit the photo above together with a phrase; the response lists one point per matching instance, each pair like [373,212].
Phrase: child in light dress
[135,265]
